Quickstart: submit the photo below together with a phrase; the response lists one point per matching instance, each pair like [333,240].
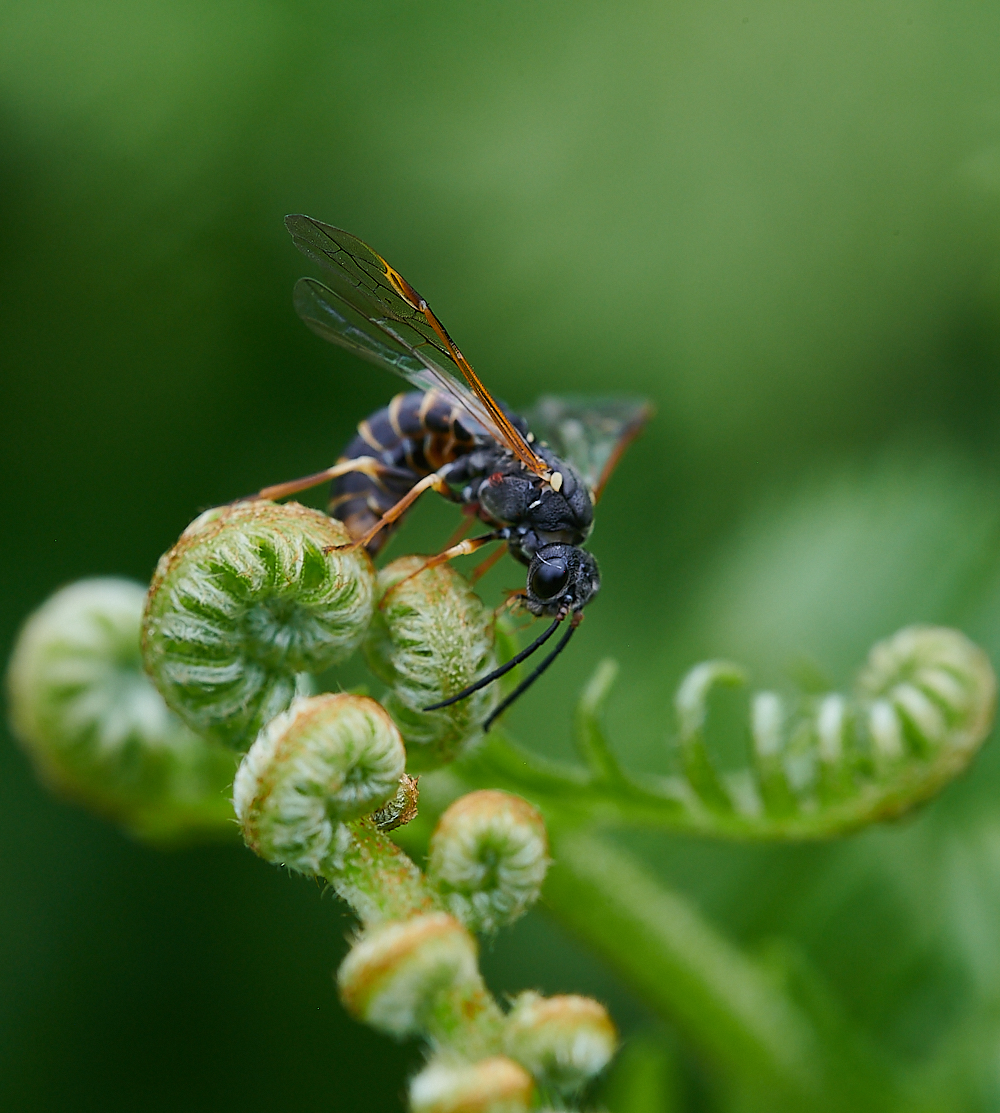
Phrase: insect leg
[484,566]
[515,597]
[463,548]
[367,464]
[463,527]
[437,480]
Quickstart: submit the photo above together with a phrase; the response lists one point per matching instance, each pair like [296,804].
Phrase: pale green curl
[96,728]
[430,638]
[825,764]
[252,596]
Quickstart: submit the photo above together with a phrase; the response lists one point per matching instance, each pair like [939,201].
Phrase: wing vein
[355,313]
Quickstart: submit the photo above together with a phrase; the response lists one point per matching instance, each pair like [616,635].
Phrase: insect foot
[245,602]
[493,1085]
[563,1041]
[95,727]
[488,858]
[430,638]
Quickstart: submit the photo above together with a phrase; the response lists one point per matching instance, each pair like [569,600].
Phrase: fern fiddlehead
[413,970]
[98,731]
[250,598]
[816,766]
[431,636]
[922,705]
[489,856]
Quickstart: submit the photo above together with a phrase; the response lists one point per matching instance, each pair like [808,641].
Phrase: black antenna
[528,681]
[501,671]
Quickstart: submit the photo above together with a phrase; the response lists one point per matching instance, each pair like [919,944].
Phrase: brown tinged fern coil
[327,759]
[488,858]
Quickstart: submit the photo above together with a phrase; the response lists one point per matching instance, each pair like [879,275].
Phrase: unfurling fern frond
[815,765]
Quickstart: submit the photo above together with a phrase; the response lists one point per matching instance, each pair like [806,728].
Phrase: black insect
[537,489]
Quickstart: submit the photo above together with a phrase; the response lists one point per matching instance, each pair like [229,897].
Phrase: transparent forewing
[367,298]
[589,433]
[381,342]
[363,278]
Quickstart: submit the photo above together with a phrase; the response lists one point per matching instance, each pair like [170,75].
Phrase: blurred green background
[780,221]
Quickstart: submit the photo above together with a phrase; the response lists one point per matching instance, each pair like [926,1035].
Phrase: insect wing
[329,316]
[590,434]
[362,281]
[362,277]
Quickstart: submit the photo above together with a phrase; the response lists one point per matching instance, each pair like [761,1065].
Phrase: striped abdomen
[416,433]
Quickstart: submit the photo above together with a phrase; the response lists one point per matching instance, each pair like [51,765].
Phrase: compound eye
[548,579]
